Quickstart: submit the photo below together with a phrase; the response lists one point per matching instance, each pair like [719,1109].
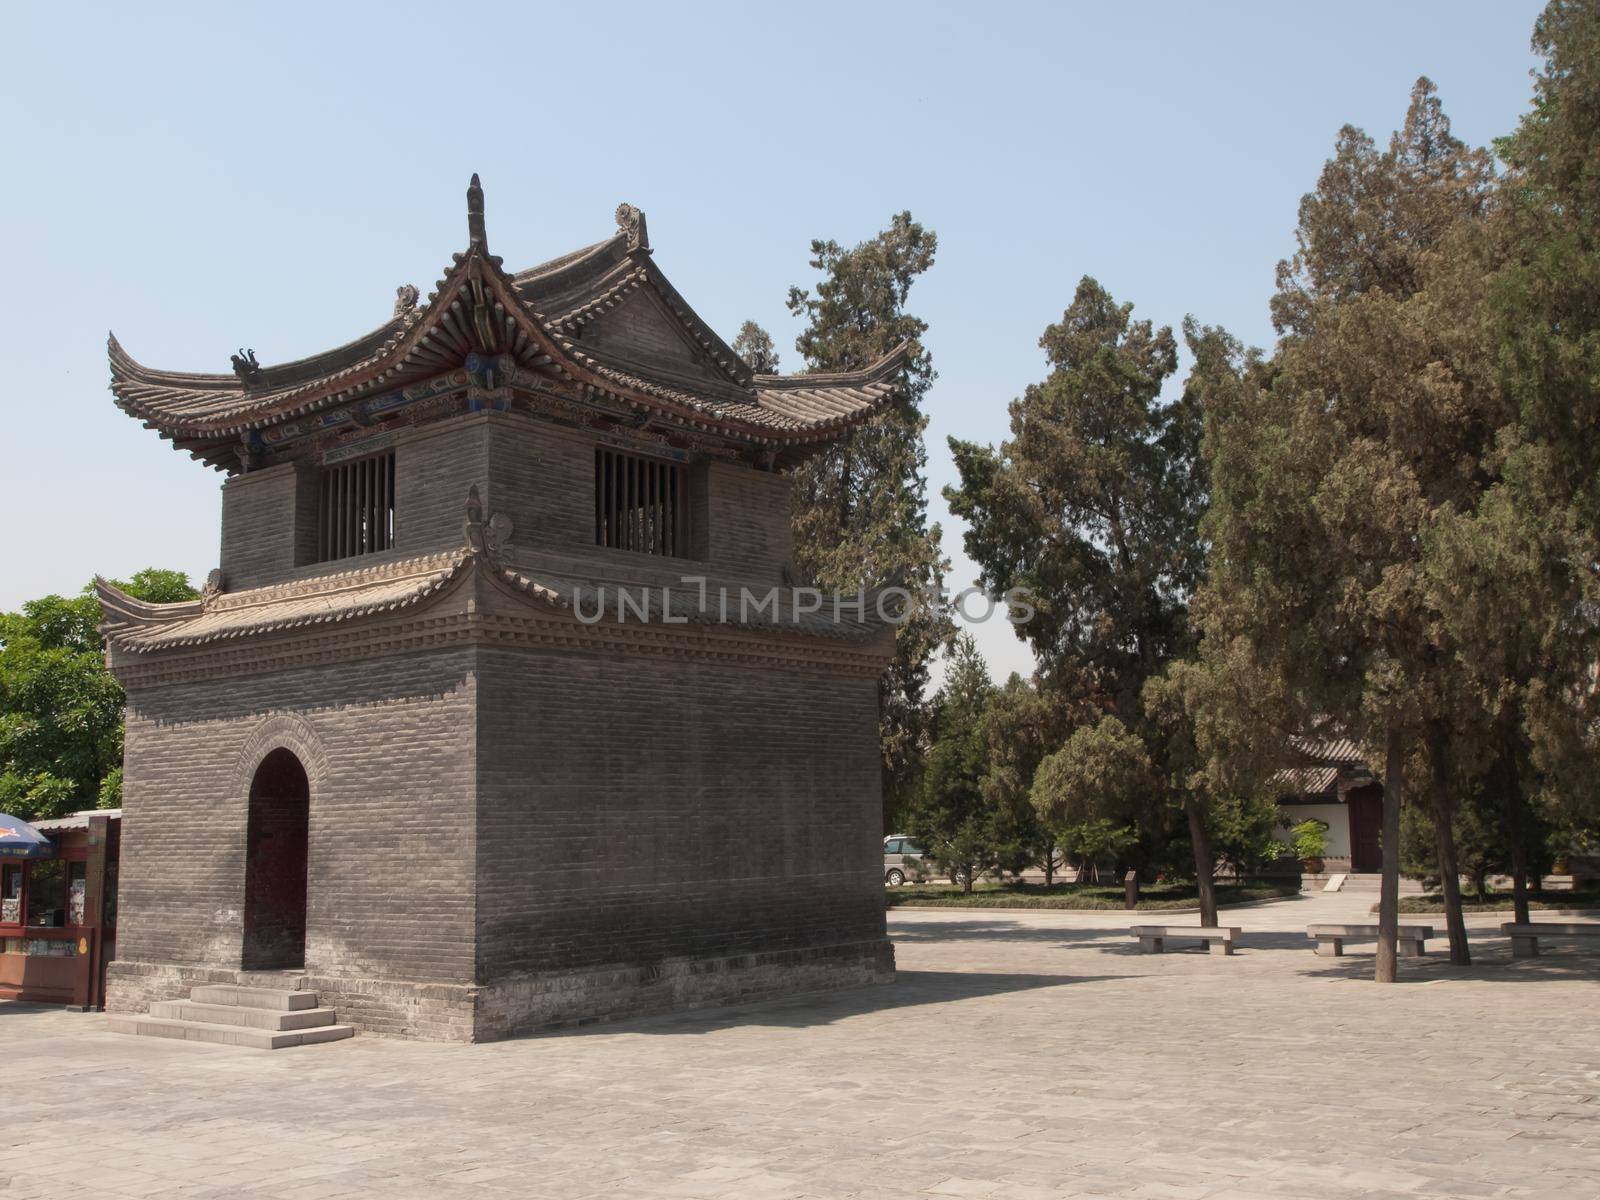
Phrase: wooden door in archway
[1366,828]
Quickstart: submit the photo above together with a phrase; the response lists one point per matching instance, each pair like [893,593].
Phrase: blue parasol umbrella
[18,839]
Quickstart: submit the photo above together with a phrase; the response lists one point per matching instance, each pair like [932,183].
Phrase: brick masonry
[506,838]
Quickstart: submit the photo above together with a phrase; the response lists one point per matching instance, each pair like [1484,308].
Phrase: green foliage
[1335,466]
[1096,841]
[60,710]
[1493,901]
[1527,597]
[1093,506]
[1308,839]
[860,506]
[1101,774]
[951,817]
[1484,836]
[1023,724]
[754,345]
[1152,896]
[158,586]
[1242,830]
[1093,502]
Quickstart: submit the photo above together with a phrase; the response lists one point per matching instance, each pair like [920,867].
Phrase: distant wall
[1335,816]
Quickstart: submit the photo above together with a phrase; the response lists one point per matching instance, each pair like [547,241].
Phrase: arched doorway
[276,842]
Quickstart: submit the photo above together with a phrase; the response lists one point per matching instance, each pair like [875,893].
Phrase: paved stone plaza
[1019,1055]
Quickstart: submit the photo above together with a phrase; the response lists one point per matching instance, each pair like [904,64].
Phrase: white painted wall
[1335,816]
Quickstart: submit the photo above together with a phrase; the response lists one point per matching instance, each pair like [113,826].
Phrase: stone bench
[1153,938]
[1331,938]
[1525,938]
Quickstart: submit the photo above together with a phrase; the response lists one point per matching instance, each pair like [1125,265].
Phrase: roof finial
[246,367]
[475,234]
[630,221]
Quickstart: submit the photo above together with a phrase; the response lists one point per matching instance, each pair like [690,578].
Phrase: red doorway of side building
[276,850]
[1365,805]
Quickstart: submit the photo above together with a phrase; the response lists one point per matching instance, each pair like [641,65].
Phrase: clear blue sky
[204,178]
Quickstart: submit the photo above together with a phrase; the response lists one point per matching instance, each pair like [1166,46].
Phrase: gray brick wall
[268,524]
[743,517]
[540,475]
[433,468]
[632,811]
[391,842]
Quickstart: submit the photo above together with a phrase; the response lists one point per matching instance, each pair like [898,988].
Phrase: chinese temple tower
[392,755]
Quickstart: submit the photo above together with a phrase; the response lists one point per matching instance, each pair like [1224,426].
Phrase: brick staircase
[232,1015]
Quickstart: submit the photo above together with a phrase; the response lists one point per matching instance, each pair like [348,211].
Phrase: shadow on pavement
[1490,964]
[998,929]
[910,988]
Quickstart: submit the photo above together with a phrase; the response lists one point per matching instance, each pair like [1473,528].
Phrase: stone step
[233,1014]
[1372,882]
[226,1035]
[279,999]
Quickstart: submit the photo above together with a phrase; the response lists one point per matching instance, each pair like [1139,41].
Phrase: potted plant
[1309,842]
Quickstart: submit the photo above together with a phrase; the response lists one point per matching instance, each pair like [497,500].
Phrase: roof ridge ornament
[246,367]
[476,237]
[630,221]
[405,299]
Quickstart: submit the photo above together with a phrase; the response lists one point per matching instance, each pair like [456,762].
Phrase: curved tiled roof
[1320,761]
[137,627]
[537,317]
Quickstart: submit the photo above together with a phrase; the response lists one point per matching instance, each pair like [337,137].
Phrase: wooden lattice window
[357,514]
[640,503]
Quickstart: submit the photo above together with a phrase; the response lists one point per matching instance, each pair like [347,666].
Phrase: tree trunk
[1049,863]
[1204,861]
[966,880]
[1444,843]
[1394,782]
[1519,882]
[1515,803]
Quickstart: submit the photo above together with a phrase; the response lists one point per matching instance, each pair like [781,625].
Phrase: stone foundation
[547,1002]
[478,1013]
[435,1012]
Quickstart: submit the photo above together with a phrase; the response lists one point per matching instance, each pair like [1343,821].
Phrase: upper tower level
[601,418]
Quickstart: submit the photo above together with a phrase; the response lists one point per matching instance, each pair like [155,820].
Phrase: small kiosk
[58,907]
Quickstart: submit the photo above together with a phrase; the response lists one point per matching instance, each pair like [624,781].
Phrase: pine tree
[754,345]
[1024,725]
[1098,790]
[952,818]
[1333,468]
[860,507]
[1093,506]
[1515,575]
[1093,503]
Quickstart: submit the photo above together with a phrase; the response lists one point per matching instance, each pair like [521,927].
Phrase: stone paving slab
[1021,1055]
